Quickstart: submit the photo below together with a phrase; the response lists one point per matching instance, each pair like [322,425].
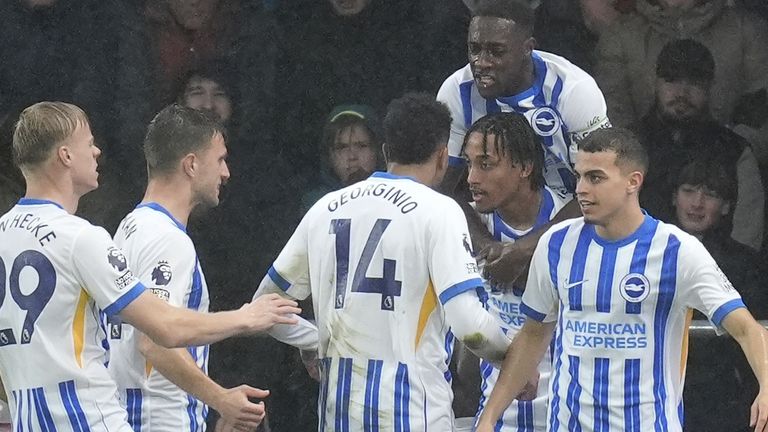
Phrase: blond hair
[40,127]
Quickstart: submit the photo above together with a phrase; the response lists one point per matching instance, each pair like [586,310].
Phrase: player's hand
[482,426]
[237,411]
[758,417]
[530,389]
[268,310]
[311,363]
[505,262]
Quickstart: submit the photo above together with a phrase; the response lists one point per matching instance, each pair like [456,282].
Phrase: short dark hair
[514,10]
[711,173]
[416,125]
[217,71]
[629,151]
[685,59]
[513,138]
[175,132]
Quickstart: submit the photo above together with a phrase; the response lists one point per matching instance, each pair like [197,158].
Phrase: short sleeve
[167,267]
[540,298]
[452,267]
[584,111]
[102,269]
[703,286]
[449,95]
[290,271]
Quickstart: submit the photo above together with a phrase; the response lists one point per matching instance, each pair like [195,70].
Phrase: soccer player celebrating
[389,266]
[505,73]
[57,271]
[616,288]
[505,163]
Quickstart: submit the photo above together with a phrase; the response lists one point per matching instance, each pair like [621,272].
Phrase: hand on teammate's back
[269,310]
[237,412]
[505,262]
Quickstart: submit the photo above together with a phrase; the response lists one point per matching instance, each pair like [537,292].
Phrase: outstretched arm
[753,339]
[519,366]
[178,367]
[475,327]
[303,335]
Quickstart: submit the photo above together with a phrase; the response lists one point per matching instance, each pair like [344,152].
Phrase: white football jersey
[56,272]
[382,257]
[563,106]
[164,259]
[504,304]
[620,342]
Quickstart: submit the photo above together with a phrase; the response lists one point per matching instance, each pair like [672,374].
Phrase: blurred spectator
[350,150]
[329,59]
[626,53]
[207,89]
[678,128]
[704,199]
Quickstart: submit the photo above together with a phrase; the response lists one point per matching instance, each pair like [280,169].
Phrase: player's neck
[622,224]
[423,173]
[58,190]
[520,212]
[175,198]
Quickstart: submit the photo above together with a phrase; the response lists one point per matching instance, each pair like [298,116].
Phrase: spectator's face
[498,55]
[82,157]
[207,95]
[211,173]
[603,189]
[353,154]
[682,100]
[698,208]
[349,7]
[192,14]
[493,180]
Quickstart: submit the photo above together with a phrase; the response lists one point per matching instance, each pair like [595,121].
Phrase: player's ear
[635,182]
[64,154]
[529,45]
[189,164]
[525,170]
[442,158]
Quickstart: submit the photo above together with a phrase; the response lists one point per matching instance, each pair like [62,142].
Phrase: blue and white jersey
[504,304]
[622,310]
[381,257]
[563,106]
[56,272]
[164,259]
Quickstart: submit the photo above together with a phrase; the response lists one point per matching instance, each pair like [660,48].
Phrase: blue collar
[386,175]
[157,207]
[35,201]
[648,227]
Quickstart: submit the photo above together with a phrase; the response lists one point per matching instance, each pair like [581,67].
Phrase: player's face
[698,208]
[213,173]
[493,180]
[207,95]
[353,156]
[603,189]
[192,14]
[348,7]
[83,158]
[681,100]
[498,55]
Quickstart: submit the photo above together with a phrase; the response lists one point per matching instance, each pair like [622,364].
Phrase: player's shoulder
[149,226]
[675,235]
[563,68]
[450,87]
[572,225]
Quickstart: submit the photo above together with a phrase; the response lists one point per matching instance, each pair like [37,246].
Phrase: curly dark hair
[514,10]
[416,125]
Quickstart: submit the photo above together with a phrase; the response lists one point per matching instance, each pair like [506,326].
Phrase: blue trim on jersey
[540,72]
[725,309]
[133,402]
[600,394]
[43,412]
[553,254]
[371,407]
[157,207]
[639,258]
[646,229]
[576,275]
[72,406]
[35,201]
[572,397]
[192,413]
[663,306]
[556,90]
[402,399]
[465,93]
[325,371]
[545,209]
[605,280]
[18,410]
[532,313]
[554,406]
[390,176]
[196,291]
[277,279]
[456,161]
[29,409]
[456,289]
[524,416]
[491,107]
[125,299]
[632,395]
[343,389]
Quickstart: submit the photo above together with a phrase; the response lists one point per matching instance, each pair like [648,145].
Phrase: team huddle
[589,333]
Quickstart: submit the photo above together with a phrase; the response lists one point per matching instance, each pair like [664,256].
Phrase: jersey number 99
[34,302]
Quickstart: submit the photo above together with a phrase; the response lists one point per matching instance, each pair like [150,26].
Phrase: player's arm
[178,367]
[474,326]
[519,366]
[448,94]
[753,339]
[303,335]
[3,395]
